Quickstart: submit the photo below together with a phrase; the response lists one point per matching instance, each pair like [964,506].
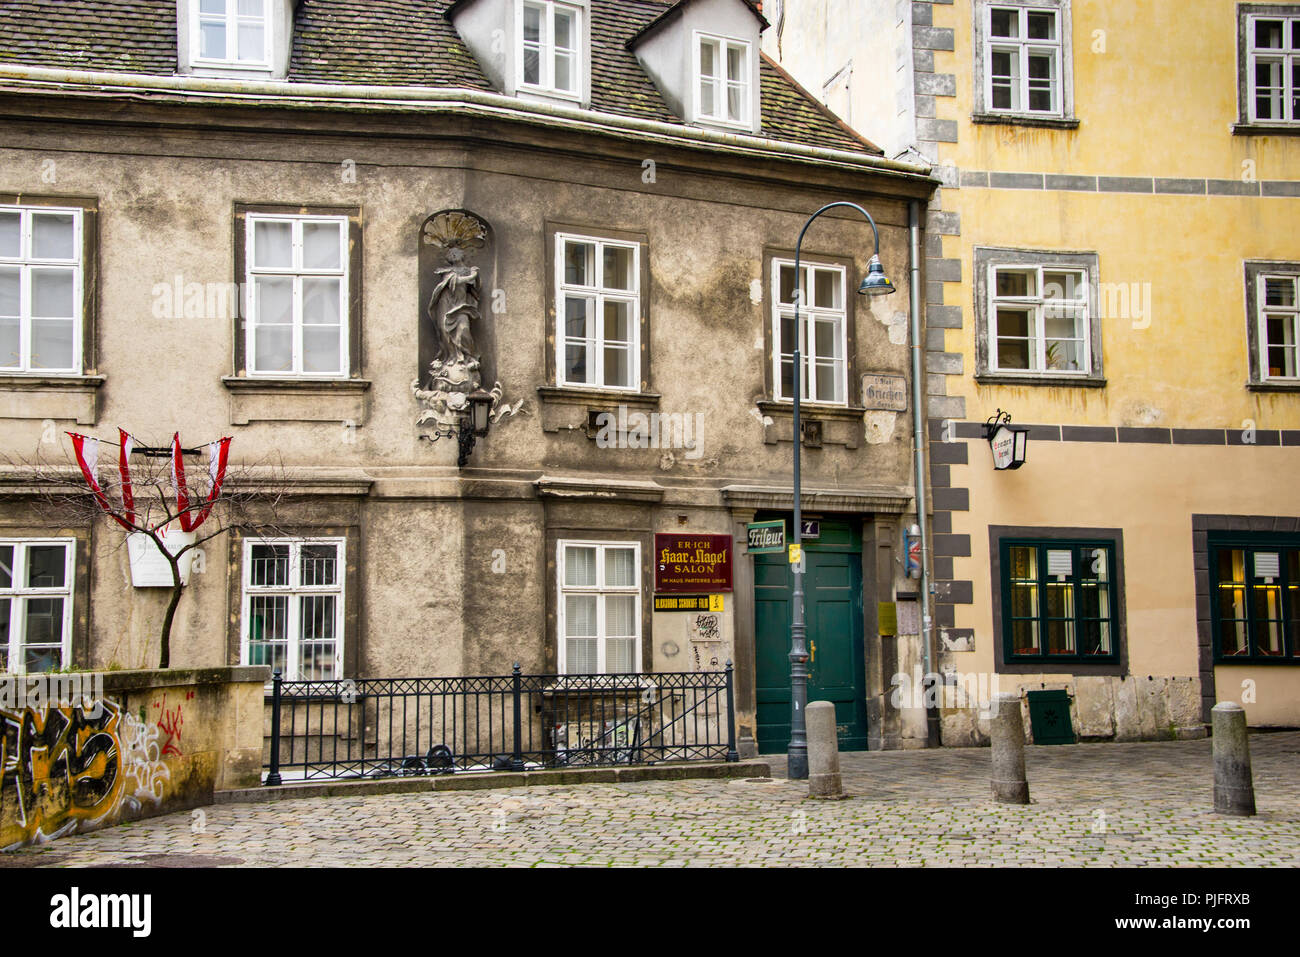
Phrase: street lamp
[472,424]
[875,284]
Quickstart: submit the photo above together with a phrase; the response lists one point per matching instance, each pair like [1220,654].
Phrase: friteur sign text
[692,563]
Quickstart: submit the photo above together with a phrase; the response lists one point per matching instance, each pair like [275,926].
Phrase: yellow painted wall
[1149,492]
[1159,101]
[1269,694]
[1183,366]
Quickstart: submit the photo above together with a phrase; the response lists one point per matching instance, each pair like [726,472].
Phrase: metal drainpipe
[918,457]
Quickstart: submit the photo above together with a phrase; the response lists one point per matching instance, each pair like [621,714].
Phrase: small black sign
[681,602]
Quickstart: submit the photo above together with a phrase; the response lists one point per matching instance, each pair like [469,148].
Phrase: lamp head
[876,283]
[480,407]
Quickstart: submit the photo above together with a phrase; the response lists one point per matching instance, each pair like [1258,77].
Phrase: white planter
[149,567]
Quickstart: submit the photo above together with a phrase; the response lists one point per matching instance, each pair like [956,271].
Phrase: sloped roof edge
[671,14]
[821,107]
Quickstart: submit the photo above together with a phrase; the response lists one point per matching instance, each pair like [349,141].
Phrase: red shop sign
[692,563]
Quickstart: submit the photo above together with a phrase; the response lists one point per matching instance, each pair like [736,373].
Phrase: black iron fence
[381,727]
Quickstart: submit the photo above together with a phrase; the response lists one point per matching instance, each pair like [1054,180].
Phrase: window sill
[1051,381]
[1266,129]
[569,407]
[1274,386]
[812,410]
[1025,119]
[36,396]
[1071,666]
[1253,660]
[257,71]
[293,384]
[255,399]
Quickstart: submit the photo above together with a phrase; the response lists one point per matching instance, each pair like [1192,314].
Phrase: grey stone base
[479,781]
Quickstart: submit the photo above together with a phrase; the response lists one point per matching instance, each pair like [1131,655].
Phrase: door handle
[813,659]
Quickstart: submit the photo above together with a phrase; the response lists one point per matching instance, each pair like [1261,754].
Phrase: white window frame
[232,19]
[809,314]
[19,594]
[547,50]
[1022,46]
[601,591]
[26,263]
[598,294]
[1038,304]
[297,272]
[1263,311]
[294,590]
[1288,55]
[721,83]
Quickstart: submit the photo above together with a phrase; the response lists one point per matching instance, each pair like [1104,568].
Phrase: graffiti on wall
[706,638]
[170,721]
[146,776]
[74,766]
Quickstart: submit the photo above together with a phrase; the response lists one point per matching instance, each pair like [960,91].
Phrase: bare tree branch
[249,501]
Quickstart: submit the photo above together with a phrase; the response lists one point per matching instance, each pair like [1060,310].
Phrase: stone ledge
[142,680]
[485,780]
[550,486]
[569,408]
[73,398]
[1048,381]
[296,400]
[859,501]
[1018,119]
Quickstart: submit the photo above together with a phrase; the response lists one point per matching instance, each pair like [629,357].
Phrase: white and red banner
[190,514]
[218,456]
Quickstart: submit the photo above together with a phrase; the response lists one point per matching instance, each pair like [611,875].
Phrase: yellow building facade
[1113,260]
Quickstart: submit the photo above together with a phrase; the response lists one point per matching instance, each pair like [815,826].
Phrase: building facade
[1112,260]
[324,229]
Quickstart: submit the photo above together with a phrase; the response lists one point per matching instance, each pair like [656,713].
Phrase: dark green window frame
[1077,613]
[1248,612]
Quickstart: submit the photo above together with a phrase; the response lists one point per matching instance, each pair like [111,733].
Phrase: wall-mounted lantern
[473,424]
[1008,442]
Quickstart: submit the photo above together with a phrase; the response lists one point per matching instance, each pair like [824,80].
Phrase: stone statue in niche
[454,312]
[455,308]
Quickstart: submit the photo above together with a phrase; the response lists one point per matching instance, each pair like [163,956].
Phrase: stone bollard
[1008,733]
[823,751]
[1234,792]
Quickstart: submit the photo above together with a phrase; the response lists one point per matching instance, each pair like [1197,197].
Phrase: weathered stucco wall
[153,743]
[428,597]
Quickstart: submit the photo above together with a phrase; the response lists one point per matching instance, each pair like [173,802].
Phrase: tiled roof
[386,42]
[391,42]
[130,36]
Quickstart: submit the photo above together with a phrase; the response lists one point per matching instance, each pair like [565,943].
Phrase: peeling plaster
[879,426]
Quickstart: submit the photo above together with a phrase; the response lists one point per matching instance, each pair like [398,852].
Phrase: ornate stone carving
[455,316]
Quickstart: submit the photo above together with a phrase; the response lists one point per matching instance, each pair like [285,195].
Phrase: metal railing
[381,727]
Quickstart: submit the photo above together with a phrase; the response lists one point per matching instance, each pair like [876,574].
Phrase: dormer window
[723,89]
[549,47]
[231,33]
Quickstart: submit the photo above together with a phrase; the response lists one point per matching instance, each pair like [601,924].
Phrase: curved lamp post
[875,284]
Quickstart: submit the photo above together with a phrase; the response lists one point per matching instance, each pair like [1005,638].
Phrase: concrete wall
[154,742]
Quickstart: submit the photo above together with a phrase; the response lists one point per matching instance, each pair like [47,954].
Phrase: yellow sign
[888,615]
[796,554]
[688,603]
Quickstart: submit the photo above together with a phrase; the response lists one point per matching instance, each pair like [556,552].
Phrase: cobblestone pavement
[1094,804]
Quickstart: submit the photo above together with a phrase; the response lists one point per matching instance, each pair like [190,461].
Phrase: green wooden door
[833,614]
